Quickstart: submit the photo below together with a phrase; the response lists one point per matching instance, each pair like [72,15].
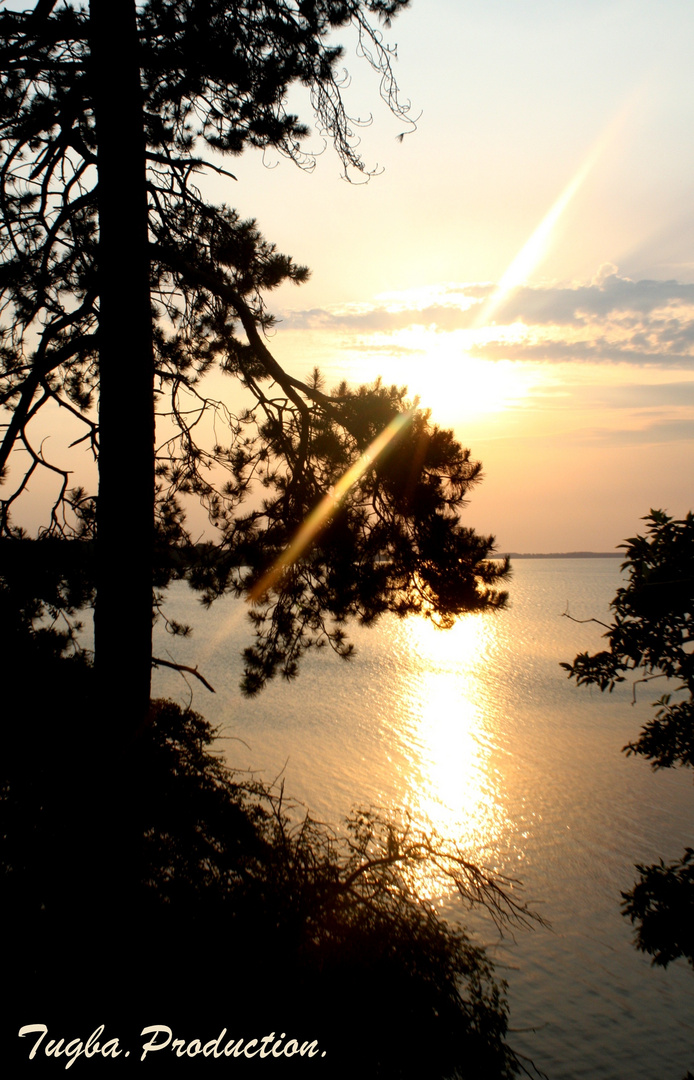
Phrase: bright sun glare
[447,763]
[460,387]
[442,373]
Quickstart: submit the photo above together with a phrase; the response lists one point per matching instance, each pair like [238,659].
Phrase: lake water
[477,731]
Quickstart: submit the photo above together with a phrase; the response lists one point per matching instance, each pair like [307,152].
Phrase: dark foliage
[242,910]
[662,906]
[138,873]
[213,76]
[652,636]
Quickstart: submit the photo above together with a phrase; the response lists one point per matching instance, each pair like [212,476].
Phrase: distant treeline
[565,555]
[56,552]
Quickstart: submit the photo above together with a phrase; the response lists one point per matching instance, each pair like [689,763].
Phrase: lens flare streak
[536,247]
[321,514]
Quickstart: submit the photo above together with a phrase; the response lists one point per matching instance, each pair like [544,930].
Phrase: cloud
[598,351]
[611,297]
[377,319]
[640,396]
[610,319]
[658,432]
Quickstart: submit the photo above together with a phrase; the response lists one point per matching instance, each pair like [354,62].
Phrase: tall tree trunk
[125,514]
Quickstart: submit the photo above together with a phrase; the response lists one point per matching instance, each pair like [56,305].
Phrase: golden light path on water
[448,778]
[446,782]
[449,786]
[437,755]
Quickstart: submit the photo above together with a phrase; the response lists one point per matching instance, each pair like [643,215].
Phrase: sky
[523,263]
[522,260]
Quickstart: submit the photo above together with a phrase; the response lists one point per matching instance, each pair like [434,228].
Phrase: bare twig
[565,615]
[158,662]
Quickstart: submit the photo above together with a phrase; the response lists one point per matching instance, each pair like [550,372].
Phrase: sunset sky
[525,261]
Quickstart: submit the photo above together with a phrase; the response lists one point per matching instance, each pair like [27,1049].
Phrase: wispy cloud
[659,432]
[610,319]
[637,396]
[378,319]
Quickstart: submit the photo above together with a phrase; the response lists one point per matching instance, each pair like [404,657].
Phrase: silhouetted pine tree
[108,245]
[122,285]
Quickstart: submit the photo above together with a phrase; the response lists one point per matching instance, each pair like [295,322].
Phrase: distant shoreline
[564,555]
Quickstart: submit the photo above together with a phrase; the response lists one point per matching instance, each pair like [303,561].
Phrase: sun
[447,378]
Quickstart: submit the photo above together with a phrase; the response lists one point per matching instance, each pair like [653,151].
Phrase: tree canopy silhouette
[124,286]
[651,636]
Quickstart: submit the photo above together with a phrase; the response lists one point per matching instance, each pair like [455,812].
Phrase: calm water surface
[477,731]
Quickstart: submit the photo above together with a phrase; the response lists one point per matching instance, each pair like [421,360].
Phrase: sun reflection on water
[448,770]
